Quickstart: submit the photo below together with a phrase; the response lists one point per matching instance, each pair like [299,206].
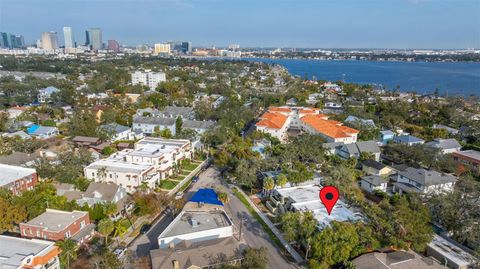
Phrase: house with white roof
[305,198]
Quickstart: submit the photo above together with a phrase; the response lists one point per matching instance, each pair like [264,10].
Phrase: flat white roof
[450,251]
[10,173]
[14,249]
[117,163]
[195,221]
[306,198]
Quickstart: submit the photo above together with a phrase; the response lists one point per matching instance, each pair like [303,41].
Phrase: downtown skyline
[416,24]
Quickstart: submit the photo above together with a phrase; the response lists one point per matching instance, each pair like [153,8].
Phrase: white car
[120,252]
[179,195]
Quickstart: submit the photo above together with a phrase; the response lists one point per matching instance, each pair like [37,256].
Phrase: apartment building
[17,179]
[55,225]
[148,78]
[151,160]
[278,120]
[18,252]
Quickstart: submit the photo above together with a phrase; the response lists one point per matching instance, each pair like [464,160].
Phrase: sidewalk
[127,239]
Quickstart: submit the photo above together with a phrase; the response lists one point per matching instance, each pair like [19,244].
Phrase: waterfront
[457,78]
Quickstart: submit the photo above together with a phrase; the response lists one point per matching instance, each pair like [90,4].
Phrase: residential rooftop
[56,220]
[471,154]
[14,250]
[10,173]
[427,177]
[196,221]
[451,251]
[395,260]
[305,198]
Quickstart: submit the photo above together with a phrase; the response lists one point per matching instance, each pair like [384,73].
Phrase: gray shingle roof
[114,128]
[408,139]
[368,146]
[195,124]
[444,143]
[154,120]
[427,177]
[373,164]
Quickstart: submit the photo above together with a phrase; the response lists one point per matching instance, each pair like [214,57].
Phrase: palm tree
[102,173]
[68,252]
[119,229]
[282,180]
[109,208]
[143,187]
[105,227]
[268,184]
[223,196]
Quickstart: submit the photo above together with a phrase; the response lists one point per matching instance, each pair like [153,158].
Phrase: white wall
[197,236]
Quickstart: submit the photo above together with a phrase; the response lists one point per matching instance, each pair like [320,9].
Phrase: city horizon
[269,24]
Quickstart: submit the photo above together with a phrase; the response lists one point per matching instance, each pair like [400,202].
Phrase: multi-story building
[278,120]
[55,225]
[148,78]
[471,157]
[49,40]
[160,48]
[186,47]
[113,46]
[151,160]
[11,41]
[17,253]
[68,37]
[94,38]
[17,179]
[45,94]
[413,180]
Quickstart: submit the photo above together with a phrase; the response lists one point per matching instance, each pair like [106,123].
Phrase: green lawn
[185,186]
[190,166]
[168,184]
[252,212]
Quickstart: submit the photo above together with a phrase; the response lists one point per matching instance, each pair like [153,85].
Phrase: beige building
[49,40]
[162,49]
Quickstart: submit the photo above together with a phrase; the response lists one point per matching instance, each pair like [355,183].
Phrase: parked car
[145,228]
[120,252]
[179,195]
[195,179]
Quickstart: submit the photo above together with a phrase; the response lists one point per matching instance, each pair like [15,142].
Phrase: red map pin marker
[329,197]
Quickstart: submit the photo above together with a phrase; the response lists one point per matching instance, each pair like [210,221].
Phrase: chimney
[171,245]
[176,264]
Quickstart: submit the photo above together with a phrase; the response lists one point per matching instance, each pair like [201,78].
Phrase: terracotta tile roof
[329,128]
[279,109]
[273,120]
[308,110]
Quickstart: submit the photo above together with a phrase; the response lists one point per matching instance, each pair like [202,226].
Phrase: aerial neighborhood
[136,160]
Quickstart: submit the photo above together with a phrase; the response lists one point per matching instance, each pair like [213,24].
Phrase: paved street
[253,234]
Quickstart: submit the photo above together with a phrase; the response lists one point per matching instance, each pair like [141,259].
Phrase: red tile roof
[272,120]
[329,128]
[279,109]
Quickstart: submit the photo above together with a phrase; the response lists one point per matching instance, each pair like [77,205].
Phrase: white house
[119,132]
[422,181]
[445,145]
[372,183]
[151,160]
[45,94]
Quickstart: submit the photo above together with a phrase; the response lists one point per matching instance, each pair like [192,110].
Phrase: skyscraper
[87,38]
[5,41]
[94,38]
[186,47]
[49,40]
[68,37]
[113,46]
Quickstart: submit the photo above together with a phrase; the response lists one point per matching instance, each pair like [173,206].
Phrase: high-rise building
[68,37]
[94,38]
[49,40]
[11,41]
[161,48]
[87,38]
[113,46]
[186,47]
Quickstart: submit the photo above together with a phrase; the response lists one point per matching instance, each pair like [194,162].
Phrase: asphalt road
[252,232]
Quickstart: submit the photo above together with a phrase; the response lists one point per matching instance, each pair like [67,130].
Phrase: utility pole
[308,249]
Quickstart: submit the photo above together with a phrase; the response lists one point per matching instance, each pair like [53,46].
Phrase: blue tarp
[206,196]
[32,129]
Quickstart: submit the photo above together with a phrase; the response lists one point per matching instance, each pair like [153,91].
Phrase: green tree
[3,121]
[11,214]
[282,180]
[105,227]
[108,260]
[68,252]
[120,228]
[268,184]
[333,245]
[255,258]
[178,125]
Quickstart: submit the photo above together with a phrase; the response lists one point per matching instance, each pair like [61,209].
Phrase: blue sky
[267,23]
